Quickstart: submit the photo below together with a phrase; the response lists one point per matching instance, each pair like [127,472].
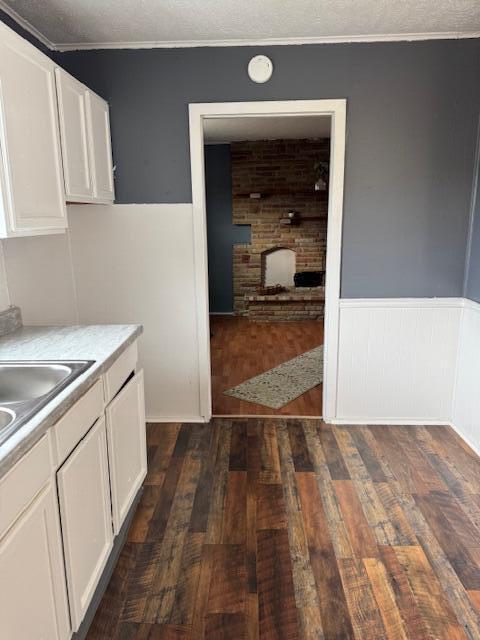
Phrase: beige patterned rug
[279,386]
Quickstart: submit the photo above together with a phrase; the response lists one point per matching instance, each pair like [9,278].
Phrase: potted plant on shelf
[321,170]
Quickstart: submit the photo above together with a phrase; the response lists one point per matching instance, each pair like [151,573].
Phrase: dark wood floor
[290,529]
[241,349]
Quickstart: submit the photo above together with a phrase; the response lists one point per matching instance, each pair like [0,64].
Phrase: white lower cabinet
[33,598]
[57,523]
[126,447]
[85,511]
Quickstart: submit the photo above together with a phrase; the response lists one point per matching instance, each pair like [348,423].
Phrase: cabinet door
[31,179]
[85,513]
[100,148]
[126,447]
[33,597]
[72,108]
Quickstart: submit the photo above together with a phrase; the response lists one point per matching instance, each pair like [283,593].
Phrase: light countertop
[101,343]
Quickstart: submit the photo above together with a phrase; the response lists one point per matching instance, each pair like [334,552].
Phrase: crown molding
[25,24]
[239,42]
[176,44]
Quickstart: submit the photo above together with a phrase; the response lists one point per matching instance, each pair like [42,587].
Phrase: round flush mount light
[260,69]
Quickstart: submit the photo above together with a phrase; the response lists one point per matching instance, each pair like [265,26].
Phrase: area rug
[279,386]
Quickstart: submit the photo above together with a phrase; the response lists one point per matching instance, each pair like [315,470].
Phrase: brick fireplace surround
[282,171]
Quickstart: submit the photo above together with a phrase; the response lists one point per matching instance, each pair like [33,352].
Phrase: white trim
[404,303]
[25,24]
[473,201]
[267,42]
[337,110]
[411,422]
[471,304]
[272,416]
[175,419]
[466,439]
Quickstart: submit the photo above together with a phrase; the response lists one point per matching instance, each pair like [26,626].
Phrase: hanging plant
[321,170]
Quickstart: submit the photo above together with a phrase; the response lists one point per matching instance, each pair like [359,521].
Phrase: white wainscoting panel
[397,360]
[134,264]
[466,412]
[40,279]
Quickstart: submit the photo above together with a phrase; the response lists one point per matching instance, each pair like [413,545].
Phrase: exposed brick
[283,172]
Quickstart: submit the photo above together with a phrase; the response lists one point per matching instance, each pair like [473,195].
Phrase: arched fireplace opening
[278,267]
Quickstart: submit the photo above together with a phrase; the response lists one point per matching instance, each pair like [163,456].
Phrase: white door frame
[337,110]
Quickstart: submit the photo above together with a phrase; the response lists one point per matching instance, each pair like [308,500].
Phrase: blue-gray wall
[222,234]
[412,112]
[472,282]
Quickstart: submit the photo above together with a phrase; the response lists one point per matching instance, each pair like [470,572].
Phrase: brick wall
[283,172]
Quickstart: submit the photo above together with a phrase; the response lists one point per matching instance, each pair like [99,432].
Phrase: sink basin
[26,387]
[22,382]
[6,418]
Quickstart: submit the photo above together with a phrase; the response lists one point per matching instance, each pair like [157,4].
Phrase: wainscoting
[466,408]
[410,361]
[397,360]
[134,263]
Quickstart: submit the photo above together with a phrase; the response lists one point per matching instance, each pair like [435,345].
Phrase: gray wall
[222,234]
[412,111]
[472,283]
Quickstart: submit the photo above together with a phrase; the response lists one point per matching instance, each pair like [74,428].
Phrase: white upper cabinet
[72,109]
[86,144]
[32,199]
[100,148]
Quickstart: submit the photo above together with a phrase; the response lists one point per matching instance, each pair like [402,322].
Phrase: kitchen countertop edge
[15,447]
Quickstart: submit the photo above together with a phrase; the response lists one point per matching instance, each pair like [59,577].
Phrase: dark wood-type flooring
[290,529]
[241,349]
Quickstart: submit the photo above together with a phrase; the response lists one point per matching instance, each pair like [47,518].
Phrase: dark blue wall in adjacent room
[221,233]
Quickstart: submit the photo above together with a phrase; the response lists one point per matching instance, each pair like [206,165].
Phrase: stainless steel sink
[6,417]
[26,387]
[21,382]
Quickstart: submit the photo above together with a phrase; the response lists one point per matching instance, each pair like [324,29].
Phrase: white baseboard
[474,446]
[265,417]
[175,419]
[410,422]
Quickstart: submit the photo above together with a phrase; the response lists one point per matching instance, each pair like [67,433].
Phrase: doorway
[275,262]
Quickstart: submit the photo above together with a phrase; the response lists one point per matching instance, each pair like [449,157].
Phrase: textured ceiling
[222,130]
[193,22]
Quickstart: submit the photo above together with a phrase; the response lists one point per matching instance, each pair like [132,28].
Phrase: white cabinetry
[86,144]
[126,447]
[32,199]
[100,148]
[33,594]
[33,600]
[85,510]
[72,108]
[62,503]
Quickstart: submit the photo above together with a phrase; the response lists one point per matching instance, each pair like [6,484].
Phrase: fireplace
[281,176]
[278,267]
